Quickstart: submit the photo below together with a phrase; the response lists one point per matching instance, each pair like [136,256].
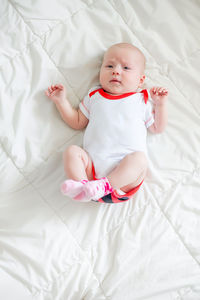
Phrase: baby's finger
[46,93]
[164,91]
[159,90]
[50,90]
[53,87]
[59,86]
[153,89]
[156,91]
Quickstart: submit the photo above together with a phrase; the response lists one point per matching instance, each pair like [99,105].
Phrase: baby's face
[122,70]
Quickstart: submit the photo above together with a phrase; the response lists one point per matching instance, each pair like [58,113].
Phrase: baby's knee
[140,158]
[71,151]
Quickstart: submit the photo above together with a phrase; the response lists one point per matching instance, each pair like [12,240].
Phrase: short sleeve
[149,116]
[85,106]
[86,103]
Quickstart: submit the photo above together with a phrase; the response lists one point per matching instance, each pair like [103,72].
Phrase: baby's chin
[116,90]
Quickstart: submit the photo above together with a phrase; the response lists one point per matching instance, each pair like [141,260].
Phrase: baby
[113,162]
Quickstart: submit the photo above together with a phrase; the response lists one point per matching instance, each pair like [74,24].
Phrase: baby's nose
[115,73]
[116,70]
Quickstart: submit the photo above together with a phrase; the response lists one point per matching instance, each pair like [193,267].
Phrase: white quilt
[52,248]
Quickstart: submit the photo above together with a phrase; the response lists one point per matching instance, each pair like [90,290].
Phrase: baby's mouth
[114,80]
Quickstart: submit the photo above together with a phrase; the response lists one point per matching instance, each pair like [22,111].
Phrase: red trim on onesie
[145,94]
[116,97]
[112,97]
[85,107]
[93,92]
[114,197]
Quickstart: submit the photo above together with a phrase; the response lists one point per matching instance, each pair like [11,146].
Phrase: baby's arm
[73,117]
[159,96]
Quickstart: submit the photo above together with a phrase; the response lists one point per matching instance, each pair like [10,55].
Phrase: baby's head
[122,70]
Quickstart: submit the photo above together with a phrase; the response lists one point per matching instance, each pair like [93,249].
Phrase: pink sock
[72,188]
[94,190]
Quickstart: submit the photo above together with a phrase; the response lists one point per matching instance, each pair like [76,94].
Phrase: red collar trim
[112,97]
[108,96]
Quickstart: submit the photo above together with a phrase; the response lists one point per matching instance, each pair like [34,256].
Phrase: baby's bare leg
[127,175]
[78,168]
[77,164]
[130,172]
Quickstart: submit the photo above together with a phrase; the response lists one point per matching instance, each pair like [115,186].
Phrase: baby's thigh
[75,154]
[136,161]
[88,164]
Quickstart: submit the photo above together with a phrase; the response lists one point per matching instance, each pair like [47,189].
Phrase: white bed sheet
[52,248]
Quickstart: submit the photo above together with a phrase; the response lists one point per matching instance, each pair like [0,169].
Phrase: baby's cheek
[133,83]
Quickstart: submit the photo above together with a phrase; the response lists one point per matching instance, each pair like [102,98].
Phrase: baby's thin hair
[131,46]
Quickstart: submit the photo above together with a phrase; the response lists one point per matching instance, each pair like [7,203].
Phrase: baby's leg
[130,172]
[78,167]
[77,163]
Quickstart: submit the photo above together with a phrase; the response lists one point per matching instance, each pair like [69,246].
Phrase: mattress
[53,248]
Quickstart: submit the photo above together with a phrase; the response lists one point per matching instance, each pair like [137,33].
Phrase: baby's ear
[142,79]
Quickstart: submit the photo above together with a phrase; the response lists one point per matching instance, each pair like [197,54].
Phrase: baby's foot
[72,188]
[94,190]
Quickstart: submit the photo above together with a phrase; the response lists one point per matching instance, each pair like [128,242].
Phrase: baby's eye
[109,66]
[126,68]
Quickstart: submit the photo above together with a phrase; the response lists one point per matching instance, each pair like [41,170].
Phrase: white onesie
[117,126]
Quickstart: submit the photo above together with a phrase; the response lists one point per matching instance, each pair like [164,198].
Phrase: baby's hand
[57,93]
[159,95]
